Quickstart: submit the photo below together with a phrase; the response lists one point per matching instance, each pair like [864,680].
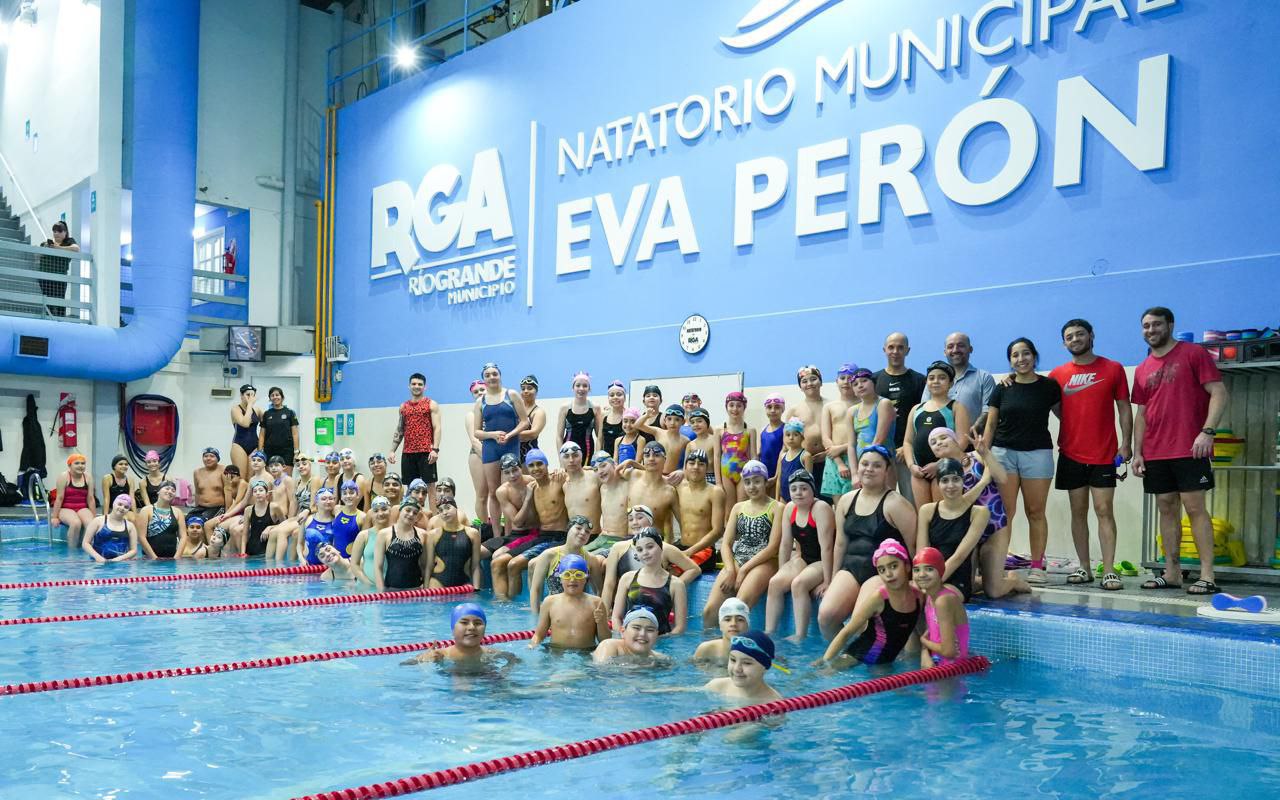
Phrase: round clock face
[245,344]
[695,332]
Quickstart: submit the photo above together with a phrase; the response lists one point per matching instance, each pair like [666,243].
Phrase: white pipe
[288,203]
[34,217]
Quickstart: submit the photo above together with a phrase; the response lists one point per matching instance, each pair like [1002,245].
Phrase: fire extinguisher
[229,258]
[65,419]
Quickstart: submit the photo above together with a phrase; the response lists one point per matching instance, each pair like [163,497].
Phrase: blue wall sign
[809,176]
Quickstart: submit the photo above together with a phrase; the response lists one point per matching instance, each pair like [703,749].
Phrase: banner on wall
[451,233]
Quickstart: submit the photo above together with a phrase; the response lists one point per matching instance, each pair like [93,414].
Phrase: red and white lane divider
[304,569]
[301,602]
[235,666]
[705,722]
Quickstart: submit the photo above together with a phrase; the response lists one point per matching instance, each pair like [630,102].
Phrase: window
[208,258]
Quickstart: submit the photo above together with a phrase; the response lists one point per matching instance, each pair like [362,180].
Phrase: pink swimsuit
[935,633]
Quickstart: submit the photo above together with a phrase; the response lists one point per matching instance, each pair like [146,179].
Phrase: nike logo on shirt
[1079,383]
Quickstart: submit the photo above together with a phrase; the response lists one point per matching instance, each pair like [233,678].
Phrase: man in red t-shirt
[419,428]
[1180,398]
[1095,392]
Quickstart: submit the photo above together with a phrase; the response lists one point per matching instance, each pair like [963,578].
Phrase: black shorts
[1168,475]
[204,512]
[417,465]
[284,452]
[1071,474]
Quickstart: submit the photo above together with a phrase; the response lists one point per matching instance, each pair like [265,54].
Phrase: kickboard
[1269,617]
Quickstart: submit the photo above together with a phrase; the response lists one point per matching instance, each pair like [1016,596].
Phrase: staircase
[12,231]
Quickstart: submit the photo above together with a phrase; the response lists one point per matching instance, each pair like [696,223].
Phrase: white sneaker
[1036,577]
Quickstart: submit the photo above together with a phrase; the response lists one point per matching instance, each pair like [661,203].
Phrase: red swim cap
[932,557]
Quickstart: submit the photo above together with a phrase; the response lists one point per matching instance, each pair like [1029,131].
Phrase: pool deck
[1171,602]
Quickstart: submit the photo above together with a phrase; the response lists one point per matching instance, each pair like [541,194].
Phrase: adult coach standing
[1180,398]
[972,387]
[904,387]
[1095,392]
[278,433]
[419,428]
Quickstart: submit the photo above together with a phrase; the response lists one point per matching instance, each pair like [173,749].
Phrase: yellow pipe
[318,347]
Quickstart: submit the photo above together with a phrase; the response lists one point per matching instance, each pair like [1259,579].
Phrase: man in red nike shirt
[1095,392]
[1180,398]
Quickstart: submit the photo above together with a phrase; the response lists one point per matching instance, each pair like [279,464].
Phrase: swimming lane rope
[304,569]
[301,602]
[705,722]
[235,666]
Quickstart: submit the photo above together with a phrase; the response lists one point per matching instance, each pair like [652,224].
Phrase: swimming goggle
[756,651]
[573,575]
[377,457]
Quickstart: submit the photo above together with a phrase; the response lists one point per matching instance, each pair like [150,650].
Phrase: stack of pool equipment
[1243,345]
[1227,546]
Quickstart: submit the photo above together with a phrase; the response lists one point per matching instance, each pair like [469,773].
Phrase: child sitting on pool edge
[735,619]
[750,657]
[574,619]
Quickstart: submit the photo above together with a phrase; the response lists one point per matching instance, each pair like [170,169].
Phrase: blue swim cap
[755,644]
[195,519]
[534,456]
[350,485]
[467,610]
[572,561]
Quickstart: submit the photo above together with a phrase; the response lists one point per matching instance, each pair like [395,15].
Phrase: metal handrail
[22,292]
[17,184]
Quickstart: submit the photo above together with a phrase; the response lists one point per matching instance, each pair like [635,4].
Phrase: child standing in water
[735,619]
[750,657]
[575,620]
[947,636]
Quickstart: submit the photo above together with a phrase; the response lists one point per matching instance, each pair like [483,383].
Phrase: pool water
[1022,729]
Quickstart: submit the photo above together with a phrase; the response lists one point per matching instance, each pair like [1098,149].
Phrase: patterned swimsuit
[751,534]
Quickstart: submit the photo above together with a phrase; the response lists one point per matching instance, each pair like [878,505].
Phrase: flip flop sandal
[1111,582]
[1203,587]
[1128,569]
[1158,582]
[1080,576]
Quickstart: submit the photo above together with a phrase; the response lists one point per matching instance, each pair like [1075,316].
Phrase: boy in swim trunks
[208,483]
[469,624]
[700,507]
[810,412]
[575,620]
[639,635]
[648,488]
[613,503]
[837,432]
[581,488]
[553,522]
[735,620]
[750,657]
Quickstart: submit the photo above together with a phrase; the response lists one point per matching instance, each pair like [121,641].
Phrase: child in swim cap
[575,620]
[947,623]
[639,635]
[750,657]
[469,623]
[735,620]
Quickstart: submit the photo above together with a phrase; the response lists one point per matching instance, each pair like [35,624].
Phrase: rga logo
[770,20]
[435,219]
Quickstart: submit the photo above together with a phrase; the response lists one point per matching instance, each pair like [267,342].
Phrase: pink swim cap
[150,455]
[731,396]
[631,413]
[891,547]
[774,399]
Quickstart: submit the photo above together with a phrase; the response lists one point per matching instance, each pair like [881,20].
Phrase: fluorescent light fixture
[406,57]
